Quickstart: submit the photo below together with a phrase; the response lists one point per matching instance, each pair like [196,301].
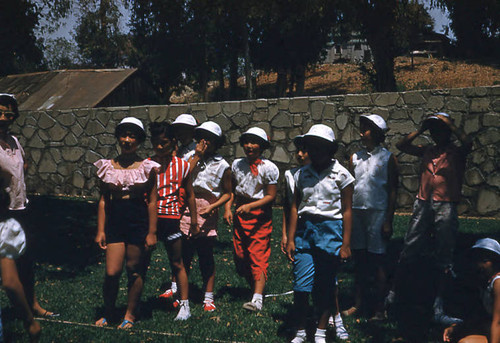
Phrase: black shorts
[128,221]
[168,229]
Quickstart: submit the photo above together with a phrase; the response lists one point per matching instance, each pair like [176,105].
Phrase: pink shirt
[442,174]
[12,170]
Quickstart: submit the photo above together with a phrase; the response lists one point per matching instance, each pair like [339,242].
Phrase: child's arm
[269,196]
[392,183]
[100,237]
[228,214]
[462,137]
[406,146]
[283,230]
[224,198]
[292,226]
[346,200]
[199,151]
[191,203]
[151,238]
[495,322]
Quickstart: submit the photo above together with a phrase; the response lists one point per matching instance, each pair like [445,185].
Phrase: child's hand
[387,230]
[284,240]
[194,229]
[290,250]
[246,209]
[200,148]
[448,333]
[228,217]
[206,211]
[345,252]
[151,241]
[445,119]
[100,239]
[424,127]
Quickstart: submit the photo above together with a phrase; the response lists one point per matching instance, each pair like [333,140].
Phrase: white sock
[438,305]
[174,287]
[338,318]
[257,297]
[320,335]
[184,302]
[209,296]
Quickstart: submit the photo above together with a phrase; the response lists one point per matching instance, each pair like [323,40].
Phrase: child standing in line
[303,265]
[212,189]
[374,202]
[320,220]
[184,126]
[254,190]
[434,223]
[126,218]
[174,174]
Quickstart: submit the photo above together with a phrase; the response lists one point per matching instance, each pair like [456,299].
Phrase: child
[12,167]
[173,175]
[320,220]
[434,223]
[184,126]
[12,245]
[302,263]
[254,190]
[373,203]
[485,255]
[212,189]
[126,218]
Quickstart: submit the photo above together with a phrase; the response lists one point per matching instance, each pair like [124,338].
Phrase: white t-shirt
[207,175]
[320,194]
[290,185]
[372,175]
[186,151]
[249,185]
[488,296]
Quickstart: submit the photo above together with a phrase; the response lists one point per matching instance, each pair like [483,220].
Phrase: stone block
[91,156]
[495,90]
[385,99]
[45,122]
[279,135]
[457,104]
[230,107]
[398,113]
[356,100]
[488,167]
[491,119]
[140,112]
[342,121]
[488,201]
[247,106]
[402,127]
[35,142]
[330,111]
[473,177]
[94,128]
[47,164]
[475,91]
[272,112]
[479,105]
[66,118]
[282,120]
[349,134]
[175,110]
[317,108]
[103,117]
[76,129]
[56,154]
[107,139]
[261,103]
[234,136]
[471,125]
[381,111]
[297,120]
[280,155]
[57,133]
[35,155]
[283,103]
[456,92]
[78,180]
[410,183]
[72,154]
[435,103]
[260,115]
[28,132]
[240,119]
[489,136]
[224,123]
[157,113]
[414,98]
[213,109]
[493,179]
[299,105]
[405,199]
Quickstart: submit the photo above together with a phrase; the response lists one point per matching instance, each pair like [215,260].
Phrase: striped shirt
[169,183]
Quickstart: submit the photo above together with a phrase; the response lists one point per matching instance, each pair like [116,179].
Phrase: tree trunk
[248,66]
[281,83]
[300,79]
[233,76]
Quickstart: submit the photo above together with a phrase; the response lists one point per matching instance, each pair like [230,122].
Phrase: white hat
[435,116]
[321,131]
[487,244]
[211,127]
[131,121]
[377,120]
[258,132]
[185,119]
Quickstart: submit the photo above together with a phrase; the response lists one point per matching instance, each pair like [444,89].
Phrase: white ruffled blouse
[125,179]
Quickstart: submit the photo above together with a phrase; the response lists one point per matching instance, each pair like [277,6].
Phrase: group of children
[330,213]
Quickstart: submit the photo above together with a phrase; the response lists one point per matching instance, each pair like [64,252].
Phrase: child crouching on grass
[212,189]
[254,184]
[320,221]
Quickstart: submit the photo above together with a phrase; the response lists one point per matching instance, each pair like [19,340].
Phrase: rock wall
[62,145]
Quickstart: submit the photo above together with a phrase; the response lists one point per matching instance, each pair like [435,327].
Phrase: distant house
[355,50]
[431,44]
[66,89]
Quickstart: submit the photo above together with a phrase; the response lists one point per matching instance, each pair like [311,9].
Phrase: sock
[184,302]
[438,305]
[174,287]
[257,297]
[320,335]
[209,296]
[338,319]
[301,333]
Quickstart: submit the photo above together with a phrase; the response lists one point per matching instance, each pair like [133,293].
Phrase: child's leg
[324,286]
[15,292]
[378,262]
[205,249]
[115,255]
[135,274]
[360,272]
[188,249]
[174,251]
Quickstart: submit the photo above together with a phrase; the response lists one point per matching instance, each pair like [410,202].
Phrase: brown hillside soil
[427,73]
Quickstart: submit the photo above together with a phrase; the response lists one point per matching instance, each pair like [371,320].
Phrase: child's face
[365,132]
[251,147]
[318,150]
[209,141]
[163,146]
[302,156]
[184,133]
[6,116]
[128,141]
[440,133]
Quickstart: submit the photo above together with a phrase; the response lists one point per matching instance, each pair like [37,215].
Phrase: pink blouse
[12,170]
[125,179]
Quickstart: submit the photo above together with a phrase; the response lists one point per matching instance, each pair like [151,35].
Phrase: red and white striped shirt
[169,183]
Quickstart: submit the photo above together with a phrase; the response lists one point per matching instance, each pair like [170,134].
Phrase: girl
[254,190]
[126,218]
[212,189]
[173,176]
[323,200]
[374,202]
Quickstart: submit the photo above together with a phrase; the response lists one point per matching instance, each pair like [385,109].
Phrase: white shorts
[367,231]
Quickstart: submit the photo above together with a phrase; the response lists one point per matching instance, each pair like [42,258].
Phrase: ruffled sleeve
[12,239]
[125,178]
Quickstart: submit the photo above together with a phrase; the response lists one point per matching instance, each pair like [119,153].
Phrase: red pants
[251,240]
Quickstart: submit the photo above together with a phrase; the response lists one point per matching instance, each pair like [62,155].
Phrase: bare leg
[174,250]
[135,272]
[260,284]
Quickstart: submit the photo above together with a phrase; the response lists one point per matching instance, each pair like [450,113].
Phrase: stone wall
[62,145]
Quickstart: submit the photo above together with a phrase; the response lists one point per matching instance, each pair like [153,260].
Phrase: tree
[61,54]
[20,52]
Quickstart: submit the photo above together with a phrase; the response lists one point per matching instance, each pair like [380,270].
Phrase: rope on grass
[278,294]
[158,333]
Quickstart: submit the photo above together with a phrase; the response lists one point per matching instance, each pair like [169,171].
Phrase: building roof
[63,89]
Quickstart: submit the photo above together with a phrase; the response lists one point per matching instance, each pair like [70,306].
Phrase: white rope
[278,294]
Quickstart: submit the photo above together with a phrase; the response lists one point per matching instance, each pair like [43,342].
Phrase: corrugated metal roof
[63,89]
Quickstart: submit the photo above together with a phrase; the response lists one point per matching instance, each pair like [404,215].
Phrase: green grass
[70,273]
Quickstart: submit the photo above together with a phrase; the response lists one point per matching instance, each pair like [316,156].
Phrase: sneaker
[184,311]
[253,306]
[176,303]
[340,331]
[331,322]
[169,293]
[208,306]
[445,320]
[299,338]
[350,311]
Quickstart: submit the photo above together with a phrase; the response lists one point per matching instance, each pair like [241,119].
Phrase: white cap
[258,132]
[377,120]
[321,131]
[211,127]
[185,119]
[435,116]
[487,244]
[132,121]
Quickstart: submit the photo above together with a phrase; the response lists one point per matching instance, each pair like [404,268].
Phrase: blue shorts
[323,235]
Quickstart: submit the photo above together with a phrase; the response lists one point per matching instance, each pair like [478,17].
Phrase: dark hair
[219,141]
[140,134]
[162,128]
[262,143]
[332,146]
[9,100]
[479,254]
[377,133]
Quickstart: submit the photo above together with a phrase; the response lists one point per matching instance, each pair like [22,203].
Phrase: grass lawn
[70,273]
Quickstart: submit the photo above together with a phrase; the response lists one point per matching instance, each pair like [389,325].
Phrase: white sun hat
[487,244]
[435,116]
[321,131]
[257,132]
[131,121]
[377,120]
[211,127]
[185,119]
